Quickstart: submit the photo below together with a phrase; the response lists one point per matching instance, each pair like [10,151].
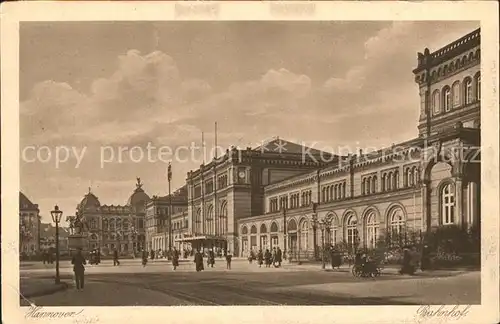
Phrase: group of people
[198,259]
[267,258]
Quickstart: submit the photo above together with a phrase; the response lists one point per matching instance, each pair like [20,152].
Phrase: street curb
[48,291]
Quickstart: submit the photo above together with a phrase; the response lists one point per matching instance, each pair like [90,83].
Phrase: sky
[90,90]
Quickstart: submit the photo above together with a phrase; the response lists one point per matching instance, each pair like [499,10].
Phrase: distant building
[232,188]
[48,238]
[157,220]
[115,227]
[29,226]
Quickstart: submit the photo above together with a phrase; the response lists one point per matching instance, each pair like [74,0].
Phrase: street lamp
[315,227]
[56,217]
[322,228]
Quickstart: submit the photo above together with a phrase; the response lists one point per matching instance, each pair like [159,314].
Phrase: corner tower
[449,81]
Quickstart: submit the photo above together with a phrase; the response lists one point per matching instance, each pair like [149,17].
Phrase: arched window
[446,99]
[292,226]
[197,221]
[209,220]
[323,194]
[351,230]
[244,230]
[253,230]
[389,181]
[409,177]
[478,87]
[468,91]
[447,204]
[125,225]
[93,223]
[371,229]
[303,235]
[435,102]
[333,230]
[456,93]
[383,182]
[363,187]
[332,197]
[263,229]
[118,224]
[274,227]
[343,190]
[336,192]
[374,184]
[396,180]
[112,225]
[416,176]
[223,218]
[396,222]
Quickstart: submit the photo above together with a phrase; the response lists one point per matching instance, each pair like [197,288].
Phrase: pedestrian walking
[144,257]
[198,261]
[267,258]
[260,258]
[175,258]
[211,258]
[407,266]
[115,258]
[274,257]
[78,262]
[229,256]
[279,255]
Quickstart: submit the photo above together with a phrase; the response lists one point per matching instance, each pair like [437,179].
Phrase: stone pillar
[459,200]
[426,217]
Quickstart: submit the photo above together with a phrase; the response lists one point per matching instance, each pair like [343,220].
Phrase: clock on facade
[242,174]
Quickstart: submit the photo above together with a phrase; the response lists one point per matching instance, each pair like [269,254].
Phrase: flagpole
[216,211]
[169,175]
[202,169]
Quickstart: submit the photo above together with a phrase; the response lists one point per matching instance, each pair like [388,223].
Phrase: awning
[200,238]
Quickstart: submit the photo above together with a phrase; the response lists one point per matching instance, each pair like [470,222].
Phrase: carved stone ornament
[437,147]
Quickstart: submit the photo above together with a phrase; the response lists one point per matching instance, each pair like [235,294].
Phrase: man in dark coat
[78,262]
[260,258]
[407,267]
[268,258]
[211,258]
[115,258]
[144,258]
[175,258]
[279,255]
[198,260]
[229,256]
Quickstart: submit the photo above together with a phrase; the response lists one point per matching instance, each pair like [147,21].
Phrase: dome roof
[138,197]
[90,201]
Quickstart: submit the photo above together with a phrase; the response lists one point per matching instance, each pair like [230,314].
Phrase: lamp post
[284,230]
[327,222]
[56,217]
[315,227]
[169,178]
[322,227]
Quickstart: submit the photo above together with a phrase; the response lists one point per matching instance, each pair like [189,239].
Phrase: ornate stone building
[115,227]
[157,215]
[231,188]
[29,226]
[432,180]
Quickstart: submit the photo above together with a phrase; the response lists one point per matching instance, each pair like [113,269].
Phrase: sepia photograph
[250,163]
